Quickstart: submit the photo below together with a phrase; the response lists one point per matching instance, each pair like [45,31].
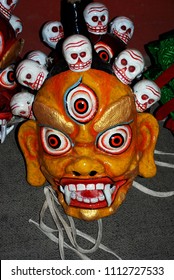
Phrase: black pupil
[10,76]
[104,56]
[81,105]
[116,140]
[54,141]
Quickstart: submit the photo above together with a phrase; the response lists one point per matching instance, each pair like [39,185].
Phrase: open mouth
[96,193]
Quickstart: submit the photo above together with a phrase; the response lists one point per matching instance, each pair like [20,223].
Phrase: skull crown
[128,65]
[31,74]
[123,28]
[77,51]
[52,33]
[146,94]
[96,16]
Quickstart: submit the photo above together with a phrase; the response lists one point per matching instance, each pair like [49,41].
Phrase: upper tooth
[90,187]
[61,189]
[80,187]
[72,187]
[67,195]
[107,194]
[99,186]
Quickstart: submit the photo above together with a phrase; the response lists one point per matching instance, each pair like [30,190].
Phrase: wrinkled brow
[116,113]
[51,117]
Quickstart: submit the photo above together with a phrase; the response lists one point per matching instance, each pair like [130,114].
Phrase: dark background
[151,18]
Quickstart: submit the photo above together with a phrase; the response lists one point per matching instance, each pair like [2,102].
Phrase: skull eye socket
[95,18]
[151,101]
[55,29]
[103,18]
[81,103]
[123,27]
[60,29]
[129,30]
[124,62]
[83,54]
[74,55]
[22,112]
[115,140]
[131,68]
[28,76]
[9,2]
[54,142]
[144,96]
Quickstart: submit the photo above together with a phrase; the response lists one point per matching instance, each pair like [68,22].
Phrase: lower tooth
[107,194]
[79,198]
[94,200]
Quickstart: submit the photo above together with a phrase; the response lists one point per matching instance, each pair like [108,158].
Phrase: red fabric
[163,111]
[170,125]
[165,77]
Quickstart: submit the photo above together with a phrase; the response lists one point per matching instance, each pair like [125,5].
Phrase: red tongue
[89,194]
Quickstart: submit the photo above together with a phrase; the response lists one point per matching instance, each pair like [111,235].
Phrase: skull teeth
[73,191]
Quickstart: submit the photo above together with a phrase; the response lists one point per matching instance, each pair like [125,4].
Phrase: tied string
[62,227]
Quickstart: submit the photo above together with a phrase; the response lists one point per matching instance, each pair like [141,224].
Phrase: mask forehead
[52,95]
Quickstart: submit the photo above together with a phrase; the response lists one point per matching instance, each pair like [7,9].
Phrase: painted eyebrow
[114,126]
[117,113]
[51,127]
[53,118]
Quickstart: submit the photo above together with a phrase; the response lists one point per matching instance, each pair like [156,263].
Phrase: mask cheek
[28,142]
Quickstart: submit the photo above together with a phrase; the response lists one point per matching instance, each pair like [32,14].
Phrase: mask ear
[148,130]
[28,142]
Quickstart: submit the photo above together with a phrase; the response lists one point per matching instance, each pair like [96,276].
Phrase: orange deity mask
[88,141]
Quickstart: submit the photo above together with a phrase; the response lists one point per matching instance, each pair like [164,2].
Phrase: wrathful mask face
[88,142]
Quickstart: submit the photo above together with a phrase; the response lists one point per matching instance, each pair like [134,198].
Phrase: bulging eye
[81,103]
[54,142]
[115,140]
[104,51]
[7,78]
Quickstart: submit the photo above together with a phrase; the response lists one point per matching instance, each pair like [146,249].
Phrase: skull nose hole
[93,173]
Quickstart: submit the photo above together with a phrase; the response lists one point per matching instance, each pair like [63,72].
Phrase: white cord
[151,192]
[71,230]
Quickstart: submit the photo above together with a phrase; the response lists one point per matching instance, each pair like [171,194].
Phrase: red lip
[89,193]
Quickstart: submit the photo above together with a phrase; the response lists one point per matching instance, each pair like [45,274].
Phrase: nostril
[76,173]
[93,173]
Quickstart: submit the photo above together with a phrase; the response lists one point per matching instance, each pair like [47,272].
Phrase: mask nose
[85,167]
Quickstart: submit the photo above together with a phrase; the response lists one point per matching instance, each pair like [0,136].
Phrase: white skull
[31,74]
[123,28]
[77,51]
[7,6]
[21,105]
[146,94]
[38,56]
[16,24]
[7,77]
[128,65]
[96,16]
[52,32]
